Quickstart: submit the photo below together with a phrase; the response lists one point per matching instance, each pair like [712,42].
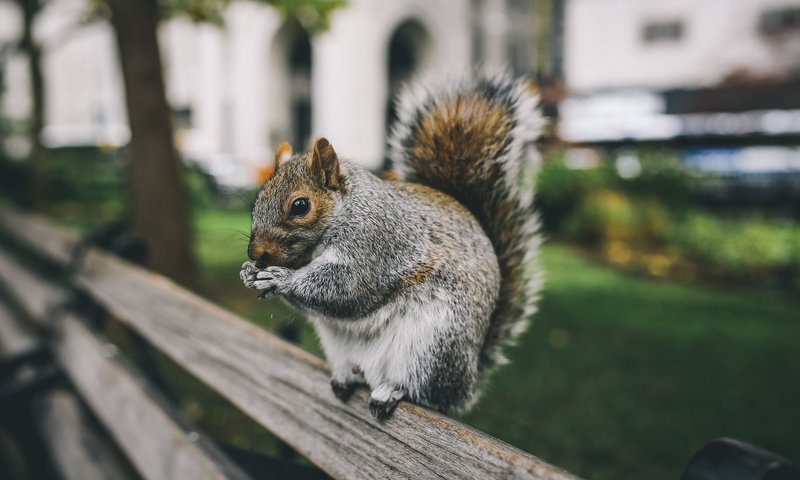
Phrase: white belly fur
[388,346]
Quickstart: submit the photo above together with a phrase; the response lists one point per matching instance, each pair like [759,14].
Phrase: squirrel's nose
[259,255]
[261,262]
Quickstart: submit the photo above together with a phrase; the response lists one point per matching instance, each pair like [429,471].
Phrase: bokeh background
[669,191]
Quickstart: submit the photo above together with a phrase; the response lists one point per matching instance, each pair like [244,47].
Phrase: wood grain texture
[56,243]
[153,436]
[283,387]
[14,338]
[39,299]
[157,443]
[78,450]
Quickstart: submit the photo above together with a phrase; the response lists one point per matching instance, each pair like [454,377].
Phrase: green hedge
[649,219]
[744,248]
[90,185]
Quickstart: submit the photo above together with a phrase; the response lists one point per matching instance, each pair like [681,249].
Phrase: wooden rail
[79,451]
[280,386]
[149,431]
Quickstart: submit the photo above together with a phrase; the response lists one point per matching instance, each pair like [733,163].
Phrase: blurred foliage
[662,176]
[85,175]
[313,15]
[210,11]
[82,182]
[744,249]
[602,216]
[606,215]
[15,181]
[647,223]
[201,187]
[559,189]
[86,186]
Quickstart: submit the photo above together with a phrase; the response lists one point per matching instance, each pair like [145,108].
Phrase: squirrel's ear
[283,153]
[324,164]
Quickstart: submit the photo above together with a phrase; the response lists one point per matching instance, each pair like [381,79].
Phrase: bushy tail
[474,139]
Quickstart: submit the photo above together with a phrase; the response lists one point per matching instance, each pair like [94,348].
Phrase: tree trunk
[159,210]
[38,157]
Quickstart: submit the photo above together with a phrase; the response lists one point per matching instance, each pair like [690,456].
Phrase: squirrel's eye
[299,207]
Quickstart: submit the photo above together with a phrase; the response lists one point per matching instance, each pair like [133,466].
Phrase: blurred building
[240,89]
[717,81]
[712,72]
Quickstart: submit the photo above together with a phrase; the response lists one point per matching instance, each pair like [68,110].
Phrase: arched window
[290,102]
[408,49]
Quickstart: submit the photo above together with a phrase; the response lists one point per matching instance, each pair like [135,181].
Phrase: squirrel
[414,284]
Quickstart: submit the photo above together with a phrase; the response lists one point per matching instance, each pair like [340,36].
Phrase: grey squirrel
[413,284]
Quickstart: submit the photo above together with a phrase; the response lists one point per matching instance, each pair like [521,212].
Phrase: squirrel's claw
[382,410]
[384,399]
[249,269]
[268,280]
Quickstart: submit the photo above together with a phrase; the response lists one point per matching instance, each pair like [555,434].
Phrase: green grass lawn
[618,376]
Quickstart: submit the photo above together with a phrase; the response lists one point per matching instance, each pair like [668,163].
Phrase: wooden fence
[280,386]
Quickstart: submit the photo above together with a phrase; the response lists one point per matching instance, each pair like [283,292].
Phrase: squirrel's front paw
[269,280]
[249,269]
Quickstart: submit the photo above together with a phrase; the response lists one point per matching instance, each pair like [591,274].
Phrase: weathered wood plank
[156,440]
[284,388]
[78,450]
[56,243]
[39,299]
[13,337]
[145,427]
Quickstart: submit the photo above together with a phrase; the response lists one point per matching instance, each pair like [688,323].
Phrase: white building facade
[626,59]
[240,89]
[613,44]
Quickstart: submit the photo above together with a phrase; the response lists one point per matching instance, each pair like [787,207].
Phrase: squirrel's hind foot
[384,399]
[382,410]
[343,391]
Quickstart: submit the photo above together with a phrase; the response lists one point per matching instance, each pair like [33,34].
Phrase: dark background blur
[669,191]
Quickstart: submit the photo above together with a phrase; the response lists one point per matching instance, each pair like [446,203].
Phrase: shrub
[605,216]
[662,184]
[602,216]
[653,220]
[750,248]
[642,223]
[662,176]
[15,181]
[793,272]
[200,186]
[560,189]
